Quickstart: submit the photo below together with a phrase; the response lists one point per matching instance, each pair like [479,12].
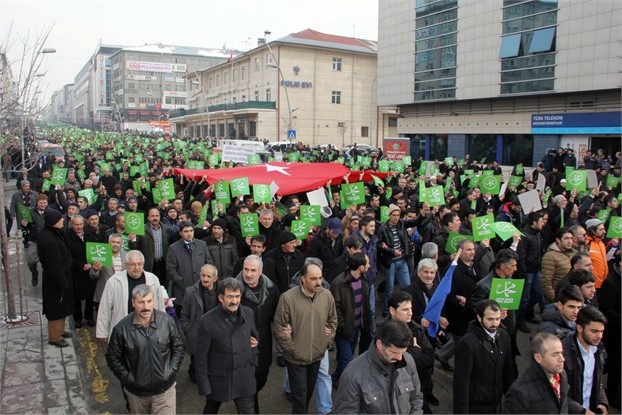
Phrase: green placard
[46,185]
[203,215]
[397,166]
[294,156]
[615,227]
[576,180]
[125,245]
[221,192]
[383,166]
[300,228]
[452,242]
[249,224]
[136,185]
[261,193]
[89,194]
[353,193]
[423,192]
[311,213]
[214,207]
[490,184]
[423,167]
[134,170]
[435,196]
[341,160]
[365,161]
[407,160]
[449,161]
[81,174]
[469,172]
[24,212]
[474,182]
[134,223]
[460,162]
[488,173]
[239,186]
[504,230]
[59,175]
[515,181]
[507,292]
[109,156]
[603,214]
[612,181]
[377,181]
[388,192]
[482,227]
[519,168]
[157,196]
[213,160]
[253,159]
[99,252]
[166,188]
[384,213]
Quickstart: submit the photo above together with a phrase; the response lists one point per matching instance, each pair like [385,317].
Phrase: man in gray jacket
[184,261]
[384,379]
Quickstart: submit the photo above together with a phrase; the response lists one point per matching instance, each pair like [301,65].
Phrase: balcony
[265,105]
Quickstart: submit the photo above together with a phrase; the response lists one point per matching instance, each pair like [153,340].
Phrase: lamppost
[278,67]
[200,84]
[371,110]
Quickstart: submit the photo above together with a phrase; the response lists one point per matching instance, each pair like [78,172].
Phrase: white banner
[236,154]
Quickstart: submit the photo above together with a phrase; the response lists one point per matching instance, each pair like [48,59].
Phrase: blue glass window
[510,46]
[542,40]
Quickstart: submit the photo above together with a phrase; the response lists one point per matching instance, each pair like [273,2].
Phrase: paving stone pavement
[35,377]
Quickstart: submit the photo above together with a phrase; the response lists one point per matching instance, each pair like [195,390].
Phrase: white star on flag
[270,167]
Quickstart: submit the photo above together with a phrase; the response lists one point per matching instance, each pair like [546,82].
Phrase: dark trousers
[242,405]
[88,310]
[302,380]
[261,378]
[159,269]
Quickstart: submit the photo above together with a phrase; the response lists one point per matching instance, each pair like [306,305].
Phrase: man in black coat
[543,387]
[55,258]
[226,332]
[288,260]
[261,295]
[84,289]
[483,364]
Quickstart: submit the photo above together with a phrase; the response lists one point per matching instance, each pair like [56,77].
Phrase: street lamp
[278,67]
[200,84]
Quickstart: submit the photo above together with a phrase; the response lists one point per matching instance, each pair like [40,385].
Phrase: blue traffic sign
[291,135]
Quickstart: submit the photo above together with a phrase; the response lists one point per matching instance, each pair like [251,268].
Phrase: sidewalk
[34,376]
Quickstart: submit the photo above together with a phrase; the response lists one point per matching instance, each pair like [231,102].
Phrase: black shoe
[523,327]
[67,335]
[35,281]
[534,320]
[446,366]
[60,343]
[280,360]
[91,323]
[78,324]
[432,400]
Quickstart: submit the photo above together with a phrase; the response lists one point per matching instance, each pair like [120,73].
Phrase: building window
[131,85]
[224,78]
[131,100]
[542,40]
[243,73]
[337,64]
[234,75]
[217,80]
[256,64]
[252,128]
[510,46]
[256,95]
[336,97]
[269,59]
[364,131]
[392,122]
[268,94]
[209,82]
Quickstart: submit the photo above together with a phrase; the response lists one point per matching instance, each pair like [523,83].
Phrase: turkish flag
[290,177]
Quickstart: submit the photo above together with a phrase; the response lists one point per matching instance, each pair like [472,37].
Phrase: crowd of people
[193,284]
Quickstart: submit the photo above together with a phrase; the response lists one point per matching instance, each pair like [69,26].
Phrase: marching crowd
[193,284]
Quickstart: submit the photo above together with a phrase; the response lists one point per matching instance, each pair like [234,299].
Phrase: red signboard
[395,148]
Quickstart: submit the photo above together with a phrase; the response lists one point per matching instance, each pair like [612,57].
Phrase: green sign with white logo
[507,292]
[99,252]
[249,224]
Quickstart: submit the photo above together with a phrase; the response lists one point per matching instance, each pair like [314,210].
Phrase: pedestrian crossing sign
[291,135]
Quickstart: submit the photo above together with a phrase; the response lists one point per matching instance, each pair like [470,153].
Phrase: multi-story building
[502,80]
[149,81]
[308,86]
[9,97]
[61,105]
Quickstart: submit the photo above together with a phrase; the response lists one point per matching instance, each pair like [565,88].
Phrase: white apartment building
[503,79]
[308,86]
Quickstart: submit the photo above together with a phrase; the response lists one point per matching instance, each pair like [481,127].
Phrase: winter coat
[553,322]
[322,247]
[386,255]
[225,361]
[55,258]
[529,252]
[146,364]
[341,288]
[370,386]
[555,266]
[483,370]
[191,312]
[532,393]
[183,268]
[610,297]
[224,254]
[308,318]
[285,266]
[146,245]
[84,286]
[463,283]
[482,292]
[102,276]
[573,365]
[264,308]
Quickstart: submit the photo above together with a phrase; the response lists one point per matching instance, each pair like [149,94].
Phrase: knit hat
[221,223]
[285,237]
[393,208]
[51,217]
[593,223]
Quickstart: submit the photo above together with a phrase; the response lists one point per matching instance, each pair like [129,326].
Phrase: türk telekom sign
[577,123]
[396,148]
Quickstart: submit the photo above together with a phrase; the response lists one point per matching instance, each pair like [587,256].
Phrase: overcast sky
[79,25]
